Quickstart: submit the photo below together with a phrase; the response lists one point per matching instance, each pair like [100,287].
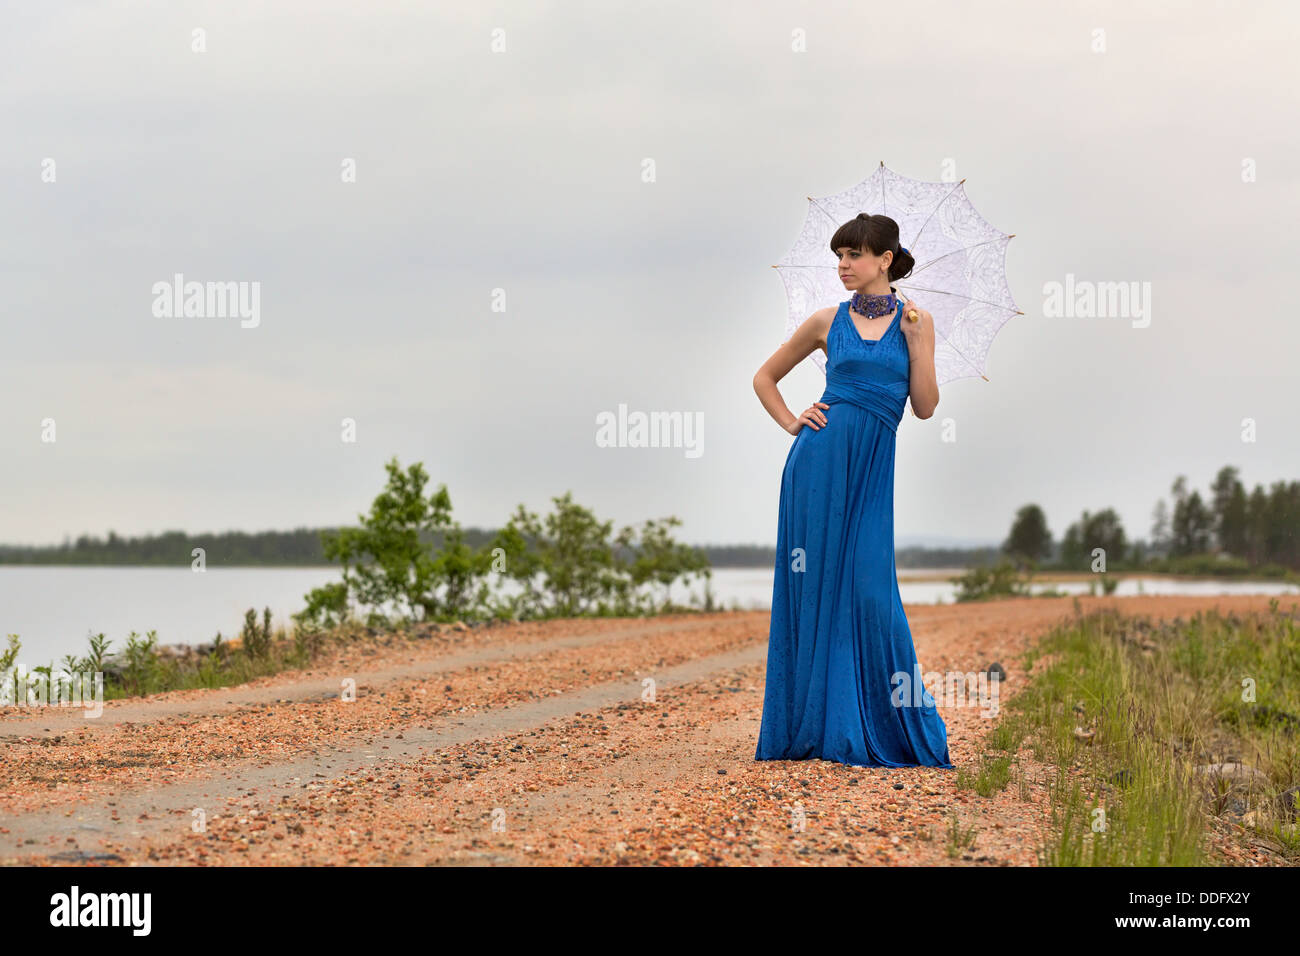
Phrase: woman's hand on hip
[812,415]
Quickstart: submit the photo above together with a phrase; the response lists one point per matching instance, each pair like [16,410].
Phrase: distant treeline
[1229,530]
[302,548]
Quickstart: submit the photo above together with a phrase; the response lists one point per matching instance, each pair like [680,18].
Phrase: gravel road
[534,743]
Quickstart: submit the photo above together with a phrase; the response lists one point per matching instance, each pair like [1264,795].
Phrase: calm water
[54,609]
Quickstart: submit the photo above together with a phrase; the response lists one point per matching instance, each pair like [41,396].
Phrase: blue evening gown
[839,644]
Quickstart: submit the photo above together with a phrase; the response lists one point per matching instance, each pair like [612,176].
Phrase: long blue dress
[843,681]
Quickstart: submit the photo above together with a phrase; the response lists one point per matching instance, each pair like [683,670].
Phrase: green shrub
[389,560]
[142,666]
[257,640]
[983,582]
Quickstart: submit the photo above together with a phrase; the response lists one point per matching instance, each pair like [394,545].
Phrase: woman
[843,681]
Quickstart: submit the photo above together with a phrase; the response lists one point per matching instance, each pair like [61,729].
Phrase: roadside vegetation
[1152,734]
[408,572]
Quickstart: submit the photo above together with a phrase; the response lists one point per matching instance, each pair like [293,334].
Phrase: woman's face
[857,267]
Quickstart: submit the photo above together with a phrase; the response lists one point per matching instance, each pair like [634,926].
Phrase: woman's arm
[811,334]
[923,385]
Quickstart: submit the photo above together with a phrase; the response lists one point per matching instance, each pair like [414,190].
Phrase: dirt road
[528,743]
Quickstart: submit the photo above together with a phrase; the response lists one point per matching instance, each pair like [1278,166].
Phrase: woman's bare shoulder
[821,321]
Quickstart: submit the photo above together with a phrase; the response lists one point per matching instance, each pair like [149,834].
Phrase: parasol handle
[911,313]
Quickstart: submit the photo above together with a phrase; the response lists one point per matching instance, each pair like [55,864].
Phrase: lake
[53,609]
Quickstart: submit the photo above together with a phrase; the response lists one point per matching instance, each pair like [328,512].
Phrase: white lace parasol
[959,277]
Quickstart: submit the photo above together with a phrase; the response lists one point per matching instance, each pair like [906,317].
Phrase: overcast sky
[1120,142]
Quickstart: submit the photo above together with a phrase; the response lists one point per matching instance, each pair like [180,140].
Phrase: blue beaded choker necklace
[873,306]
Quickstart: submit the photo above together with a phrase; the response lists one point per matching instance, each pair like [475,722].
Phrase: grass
[1124,710]
[960,839]
[993,775]
[142,670]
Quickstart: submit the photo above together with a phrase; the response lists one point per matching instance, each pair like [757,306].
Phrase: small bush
[257,640]
[983,583]
[142,666]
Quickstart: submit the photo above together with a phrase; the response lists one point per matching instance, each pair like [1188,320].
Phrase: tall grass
[1124,710]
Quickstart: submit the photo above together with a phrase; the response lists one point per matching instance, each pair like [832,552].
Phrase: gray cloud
[522,171]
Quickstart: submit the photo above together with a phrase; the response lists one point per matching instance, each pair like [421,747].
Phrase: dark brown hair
[878,235]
